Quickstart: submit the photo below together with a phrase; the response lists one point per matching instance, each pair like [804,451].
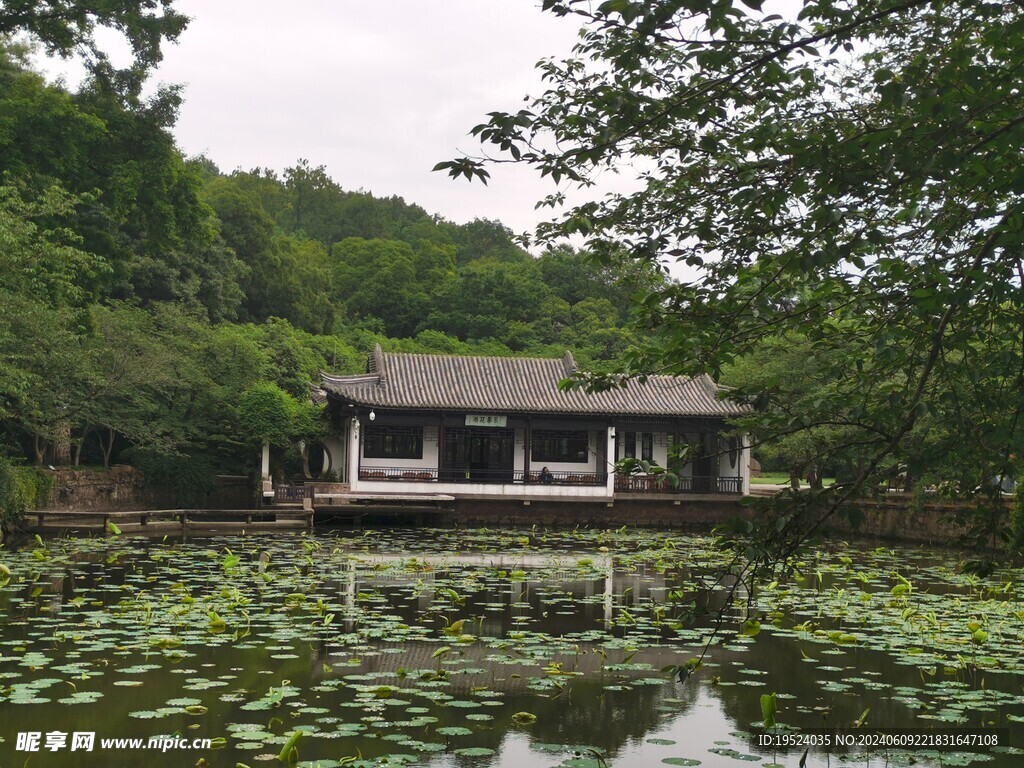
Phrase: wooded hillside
[146,296]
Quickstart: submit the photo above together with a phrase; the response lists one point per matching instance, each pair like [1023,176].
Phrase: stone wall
[119,487]
[700,515]
[892,519]
[122,488]
[896,518]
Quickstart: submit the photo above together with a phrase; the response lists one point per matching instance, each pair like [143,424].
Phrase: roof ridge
[342,380]
[375,363]
[448,355]
[569,363]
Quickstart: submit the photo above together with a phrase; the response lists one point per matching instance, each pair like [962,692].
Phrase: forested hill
[329,261]
[148,301]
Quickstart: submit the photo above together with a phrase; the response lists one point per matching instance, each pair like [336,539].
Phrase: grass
[781,478]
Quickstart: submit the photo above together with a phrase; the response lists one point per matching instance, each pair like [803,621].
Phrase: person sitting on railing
[546,476]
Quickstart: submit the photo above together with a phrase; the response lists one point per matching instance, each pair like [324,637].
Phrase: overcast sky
[377,91]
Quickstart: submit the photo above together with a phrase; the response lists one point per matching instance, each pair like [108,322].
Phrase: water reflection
[348,639]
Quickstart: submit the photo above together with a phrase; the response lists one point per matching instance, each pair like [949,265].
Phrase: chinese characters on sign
[479,420]
[29,741]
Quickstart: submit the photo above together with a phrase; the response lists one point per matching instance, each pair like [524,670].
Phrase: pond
[490,648]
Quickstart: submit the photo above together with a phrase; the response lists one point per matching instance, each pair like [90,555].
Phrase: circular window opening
[318,461]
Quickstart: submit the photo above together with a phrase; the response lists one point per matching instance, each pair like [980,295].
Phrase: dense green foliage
[66,27]
[268,414]
[21,489]
[843,180]
[156,310]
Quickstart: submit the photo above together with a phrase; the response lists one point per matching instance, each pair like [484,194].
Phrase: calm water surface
[491,648]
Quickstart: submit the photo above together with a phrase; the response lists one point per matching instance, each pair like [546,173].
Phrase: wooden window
[563,446]
[647,446]
[392,442]
[630,446]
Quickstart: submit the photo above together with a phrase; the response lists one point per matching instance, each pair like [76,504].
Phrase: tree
[850,172]
[67,27]
[493,299]
[41,303]
[268,414]
[378,278]
[794,382]
[486,239]
[126,374]
[138,202]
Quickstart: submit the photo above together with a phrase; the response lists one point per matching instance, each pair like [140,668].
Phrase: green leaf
[289,753]
[768,709]
[750,628]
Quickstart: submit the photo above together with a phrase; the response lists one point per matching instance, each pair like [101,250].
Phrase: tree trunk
[79,444]
[39,446]
[62,442]
[108,446]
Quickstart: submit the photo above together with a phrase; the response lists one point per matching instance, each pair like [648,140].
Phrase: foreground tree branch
[845,181]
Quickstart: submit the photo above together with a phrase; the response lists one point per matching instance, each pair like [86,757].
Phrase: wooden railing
[536,477]
[661,484]
[409,475]
[623,483]
[453,475]
[292,494]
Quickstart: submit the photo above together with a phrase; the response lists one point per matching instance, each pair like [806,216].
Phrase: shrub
[265,413]
[185,479]
[21,489]
[43,482]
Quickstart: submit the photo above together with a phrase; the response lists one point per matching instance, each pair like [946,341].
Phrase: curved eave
[357,402]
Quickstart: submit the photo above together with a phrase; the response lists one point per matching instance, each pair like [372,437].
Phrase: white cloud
[378,92]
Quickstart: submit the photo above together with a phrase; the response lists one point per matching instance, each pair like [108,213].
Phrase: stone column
[354,453]
[527,448]
[265,462]
[267,484]
[610,461]
[744,465]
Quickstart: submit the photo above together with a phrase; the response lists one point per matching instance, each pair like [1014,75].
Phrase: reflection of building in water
[557,573]
[560,596]
[595,707]
[596,589]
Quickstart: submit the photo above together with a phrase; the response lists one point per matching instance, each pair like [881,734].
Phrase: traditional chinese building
[496,427]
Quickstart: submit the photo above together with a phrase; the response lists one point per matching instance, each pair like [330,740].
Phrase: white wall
[727,467]
[335,446]
[483,489]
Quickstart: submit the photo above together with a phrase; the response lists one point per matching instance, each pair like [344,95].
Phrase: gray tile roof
[516,385]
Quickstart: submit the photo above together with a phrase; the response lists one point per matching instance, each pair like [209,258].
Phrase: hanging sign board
[475,420]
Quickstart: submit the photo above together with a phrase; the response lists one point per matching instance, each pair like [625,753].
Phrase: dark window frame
[384,442]
[560,446]
[647,446]
[629,449]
